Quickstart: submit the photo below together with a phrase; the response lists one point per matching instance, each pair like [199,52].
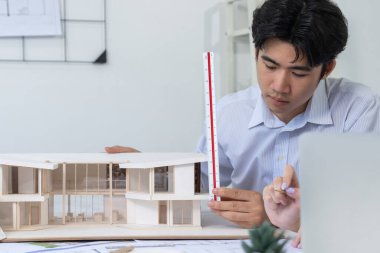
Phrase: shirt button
[280,158]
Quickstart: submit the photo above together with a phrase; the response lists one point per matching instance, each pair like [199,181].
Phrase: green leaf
[246,247]
[264,239]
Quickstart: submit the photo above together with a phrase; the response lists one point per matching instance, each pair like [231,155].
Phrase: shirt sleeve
[365,116]
[225,167]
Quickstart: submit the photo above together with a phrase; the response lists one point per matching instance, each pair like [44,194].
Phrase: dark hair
[316,28]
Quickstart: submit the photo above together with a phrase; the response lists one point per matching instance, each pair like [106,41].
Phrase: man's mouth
[278,99]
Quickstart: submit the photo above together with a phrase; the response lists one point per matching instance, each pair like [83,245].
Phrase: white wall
[149,95]
[360,60]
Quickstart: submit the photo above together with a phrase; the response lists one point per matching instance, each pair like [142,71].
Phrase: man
[296,43]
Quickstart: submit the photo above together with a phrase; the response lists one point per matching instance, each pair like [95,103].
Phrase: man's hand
[282,201]
[242,207]
[119,149]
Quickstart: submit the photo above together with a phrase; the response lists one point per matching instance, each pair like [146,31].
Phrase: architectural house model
[40,192]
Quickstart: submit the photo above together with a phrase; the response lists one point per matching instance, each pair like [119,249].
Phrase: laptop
[340,193]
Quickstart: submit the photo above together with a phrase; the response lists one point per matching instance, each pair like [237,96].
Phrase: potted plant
[265,239]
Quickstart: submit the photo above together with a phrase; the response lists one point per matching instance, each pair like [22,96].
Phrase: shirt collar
[262,115]
[317,111]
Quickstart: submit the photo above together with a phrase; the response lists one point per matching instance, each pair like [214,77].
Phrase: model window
[139,180]
[163,179]
[182,212]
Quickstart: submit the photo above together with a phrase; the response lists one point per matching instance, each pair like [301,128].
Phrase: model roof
[126,160]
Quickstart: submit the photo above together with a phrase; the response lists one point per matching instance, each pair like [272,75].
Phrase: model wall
[184,179]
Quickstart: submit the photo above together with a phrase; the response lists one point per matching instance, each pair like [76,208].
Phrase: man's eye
[299,75]
[270,67]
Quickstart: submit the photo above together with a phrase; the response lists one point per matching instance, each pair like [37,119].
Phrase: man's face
[286,85]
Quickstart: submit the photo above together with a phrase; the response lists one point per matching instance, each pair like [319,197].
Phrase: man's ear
[329,68]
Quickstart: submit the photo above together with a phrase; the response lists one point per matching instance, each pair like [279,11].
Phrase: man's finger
[234,206]
[290,178]
[239,217]
[237,194]
[120,149]
[277,184]
[268,202]
[293,193]
[296,243]
[278,197]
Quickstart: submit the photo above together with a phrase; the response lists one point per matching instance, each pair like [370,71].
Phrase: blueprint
[138,246]
[29,18]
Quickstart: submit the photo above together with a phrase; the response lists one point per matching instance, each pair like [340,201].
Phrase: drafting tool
[212,140]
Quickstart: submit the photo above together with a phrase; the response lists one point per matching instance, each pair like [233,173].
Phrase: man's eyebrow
[266,58]
[302,68]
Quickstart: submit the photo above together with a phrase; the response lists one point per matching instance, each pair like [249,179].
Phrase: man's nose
[281,82]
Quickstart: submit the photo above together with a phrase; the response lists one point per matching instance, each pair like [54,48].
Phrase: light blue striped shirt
[254,145]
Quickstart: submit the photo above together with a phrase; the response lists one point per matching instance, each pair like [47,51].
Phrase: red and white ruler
[212,140]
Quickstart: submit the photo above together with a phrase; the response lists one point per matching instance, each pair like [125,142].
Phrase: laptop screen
[340,193]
